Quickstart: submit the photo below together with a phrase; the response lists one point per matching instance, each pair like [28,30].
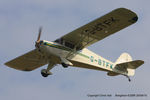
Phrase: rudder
[124,57]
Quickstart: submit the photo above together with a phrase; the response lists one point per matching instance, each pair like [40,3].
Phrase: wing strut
[85,34]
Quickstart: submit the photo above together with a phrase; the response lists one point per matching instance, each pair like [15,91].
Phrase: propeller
[37,43]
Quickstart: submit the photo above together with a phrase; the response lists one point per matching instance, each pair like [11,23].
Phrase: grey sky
[20,20]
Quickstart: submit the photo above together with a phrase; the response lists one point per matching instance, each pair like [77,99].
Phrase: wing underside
[28,61]
[100,28]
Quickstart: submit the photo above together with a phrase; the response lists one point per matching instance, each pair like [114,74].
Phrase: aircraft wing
[100,28]
[28,61]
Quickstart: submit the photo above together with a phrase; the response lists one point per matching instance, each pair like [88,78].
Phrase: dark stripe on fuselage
[64,48]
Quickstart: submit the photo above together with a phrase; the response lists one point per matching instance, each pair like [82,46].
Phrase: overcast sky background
[19,23]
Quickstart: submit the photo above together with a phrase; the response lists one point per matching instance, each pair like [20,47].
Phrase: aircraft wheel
[64,65]
[129,80]
[44,73]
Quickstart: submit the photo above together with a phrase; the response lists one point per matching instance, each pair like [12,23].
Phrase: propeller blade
[37,43]
[40,31]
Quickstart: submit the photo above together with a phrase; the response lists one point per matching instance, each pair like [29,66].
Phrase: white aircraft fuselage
[85,58]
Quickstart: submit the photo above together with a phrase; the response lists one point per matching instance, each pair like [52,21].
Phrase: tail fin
[124,57]
[125,63]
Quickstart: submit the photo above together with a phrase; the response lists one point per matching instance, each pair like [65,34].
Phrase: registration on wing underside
[96,32]
[97,29]
[99,26]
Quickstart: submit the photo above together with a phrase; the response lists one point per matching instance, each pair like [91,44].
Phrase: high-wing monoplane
[71,49]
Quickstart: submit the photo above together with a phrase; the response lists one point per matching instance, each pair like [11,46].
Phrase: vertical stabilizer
[123,65]
[124,57]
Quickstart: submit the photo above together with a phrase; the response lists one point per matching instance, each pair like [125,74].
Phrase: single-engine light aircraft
[70,49]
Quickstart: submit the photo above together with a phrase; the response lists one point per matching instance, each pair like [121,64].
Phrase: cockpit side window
[67,44]
[60,41]
[57,41]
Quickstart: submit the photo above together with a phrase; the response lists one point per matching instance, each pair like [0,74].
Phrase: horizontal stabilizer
[112,74]
[131,65]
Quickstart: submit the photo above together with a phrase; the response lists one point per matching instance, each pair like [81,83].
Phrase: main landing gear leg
[46,72]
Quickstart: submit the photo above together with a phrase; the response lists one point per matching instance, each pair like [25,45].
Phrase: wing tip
[141,62]
[6,64]
[127,13]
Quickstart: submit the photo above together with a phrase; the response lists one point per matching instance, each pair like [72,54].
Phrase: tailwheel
[45,73]
[128,78]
